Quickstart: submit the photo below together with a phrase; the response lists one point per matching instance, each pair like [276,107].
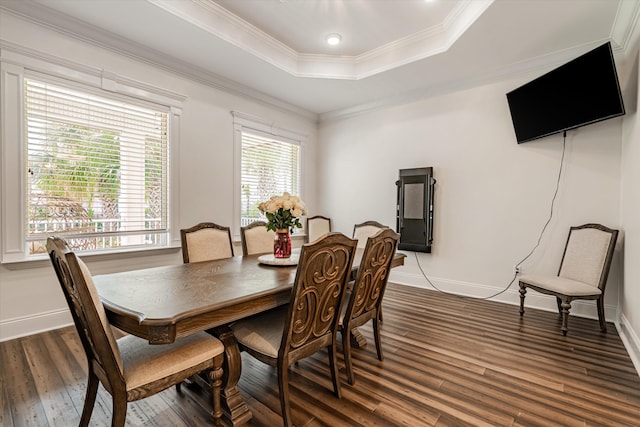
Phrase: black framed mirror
[414,218]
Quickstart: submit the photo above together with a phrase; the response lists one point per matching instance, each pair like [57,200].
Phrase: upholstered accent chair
[365,297]
[129,368]
[365,230]
[206,241]
[317,226]
[309,323]
[256,239]
[583,273]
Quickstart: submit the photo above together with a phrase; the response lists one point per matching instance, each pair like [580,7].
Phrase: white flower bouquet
[283,212]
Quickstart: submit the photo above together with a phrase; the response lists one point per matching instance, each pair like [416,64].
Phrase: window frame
[243,122]
[14,67]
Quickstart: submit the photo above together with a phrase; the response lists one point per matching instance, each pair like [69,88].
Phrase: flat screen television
[582,91]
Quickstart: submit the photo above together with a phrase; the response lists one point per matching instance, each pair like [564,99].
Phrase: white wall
[630,216]
[30,298]
[492,195]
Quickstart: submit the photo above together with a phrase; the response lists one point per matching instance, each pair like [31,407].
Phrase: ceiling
[391,51]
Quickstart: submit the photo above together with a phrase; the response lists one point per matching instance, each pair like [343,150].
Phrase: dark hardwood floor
[449,361]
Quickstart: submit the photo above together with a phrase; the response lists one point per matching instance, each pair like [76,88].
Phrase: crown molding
[622,39]
[213,18]
[216,20]
[60,23]
[625,25]
[538,65]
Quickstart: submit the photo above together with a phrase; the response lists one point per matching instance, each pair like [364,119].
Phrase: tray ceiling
[391,51]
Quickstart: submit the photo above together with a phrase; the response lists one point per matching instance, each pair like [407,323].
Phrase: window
[269,164]
[269,167]
[90,159]
[96,170]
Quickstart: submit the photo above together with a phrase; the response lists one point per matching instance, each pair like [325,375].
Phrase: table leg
[357,339]
[234,409]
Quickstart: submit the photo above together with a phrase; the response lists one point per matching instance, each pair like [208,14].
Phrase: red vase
[282,244]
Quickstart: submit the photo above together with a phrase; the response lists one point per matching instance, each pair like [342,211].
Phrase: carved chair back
[88,313]
[365,299]
[317,296]
[371,278]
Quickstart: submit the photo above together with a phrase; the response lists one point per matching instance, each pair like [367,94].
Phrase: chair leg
[376,336]
[283,386]
[346,350]
[601,318]
[559,303]
[566,306]
[523,291]
[119,410]
[333,365]
[215,377]
[90,398]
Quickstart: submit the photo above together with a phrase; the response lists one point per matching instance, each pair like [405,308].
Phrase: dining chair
[129,367]
[583,272]
[365,297]
[317,226]
[309,322]
[364,230]
[206,241]
[256,239]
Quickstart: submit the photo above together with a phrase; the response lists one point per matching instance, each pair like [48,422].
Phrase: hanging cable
[544,228]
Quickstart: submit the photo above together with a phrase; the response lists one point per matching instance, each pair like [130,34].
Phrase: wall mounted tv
[583,91]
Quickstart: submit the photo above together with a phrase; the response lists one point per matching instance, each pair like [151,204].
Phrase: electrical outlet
[516,269]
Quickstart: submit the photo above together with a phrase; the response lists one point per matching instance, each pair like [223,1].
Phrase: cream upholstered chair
[206,241]
[365,298]
[583,271]
[256,239]
[129,368]
[309,323]
[317,226]
[365,230]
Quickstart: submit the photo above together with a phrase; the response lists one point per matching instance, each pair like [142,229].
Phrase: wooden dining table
[163,304]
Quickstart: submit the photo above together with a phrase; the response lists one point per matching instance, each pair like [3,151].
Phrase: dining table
[162,304]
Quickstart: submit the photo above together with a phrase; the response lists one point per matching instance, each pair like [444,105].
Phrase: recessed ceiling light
[334,39]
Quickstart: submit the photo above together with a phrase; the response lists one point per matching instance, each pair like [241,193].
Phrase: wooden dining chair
[583,273]
[365,297]
[309,323]
[317,226]
[206,241]
[129,368]
[364,230]
[256,239]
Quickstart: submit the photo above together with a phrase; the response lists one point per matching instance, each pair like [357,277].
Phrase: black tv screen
[583,91]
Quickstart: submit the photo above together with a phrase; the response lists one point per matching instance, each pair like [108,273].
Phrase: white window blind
[97,169]
[269,167]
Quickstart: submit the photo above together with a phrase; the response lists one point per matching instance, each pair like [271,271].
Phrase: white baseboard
[630,340]
[536,300]
[29,325]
